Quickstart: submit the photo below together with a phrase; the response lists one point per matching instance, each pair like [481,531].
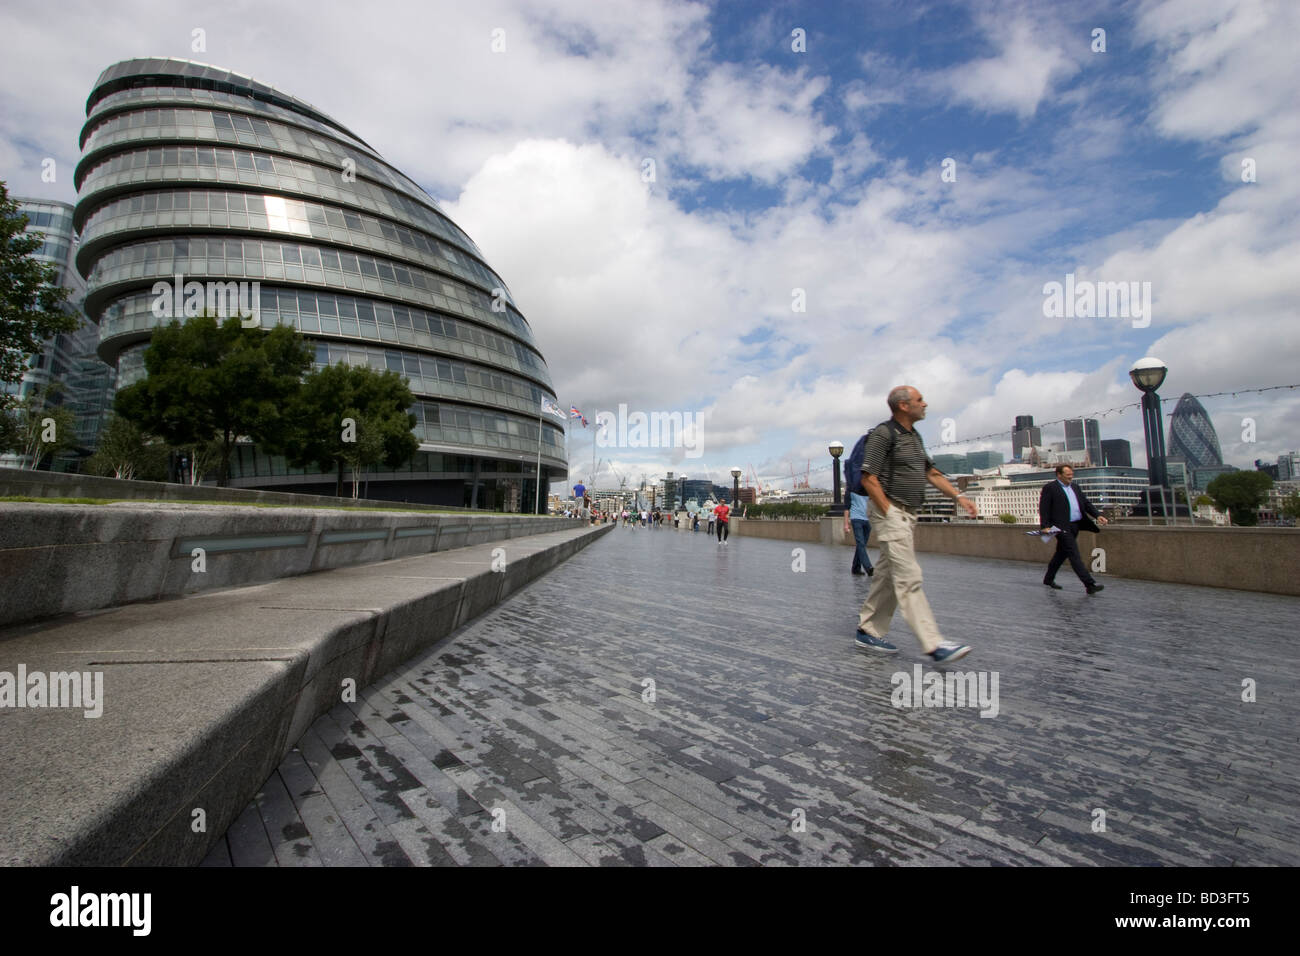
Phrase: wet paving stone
[660,700]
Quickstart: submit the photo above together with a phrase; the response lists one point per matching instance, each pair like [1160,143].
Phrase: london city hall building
[192,170]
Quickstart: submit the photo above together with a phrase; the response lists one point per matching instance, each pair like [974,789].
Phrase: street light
[1148,374]
[735,486]
[836,449]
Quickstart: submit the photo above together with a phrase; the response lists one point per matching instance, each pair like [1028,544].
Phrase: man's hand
[1101,519]
[968,505]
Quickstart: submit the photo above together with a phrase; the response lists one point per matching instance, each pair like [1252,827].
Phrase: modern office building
[1192,438]
[1024,435]
[1084,435]
[1201,477]
[951,464]
[68,362]
[1114,490]
[1288,466]
[983,459]
[1117,452]
[193,170]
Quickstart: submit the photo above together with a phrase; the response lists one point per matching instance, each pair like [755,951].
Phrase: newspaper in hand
[1045,536]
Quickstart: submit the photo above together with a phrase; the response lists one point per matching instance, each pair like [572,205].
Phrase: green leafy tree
[1291,506]
[38,427]
[124,451]
[33,307]
[224,381]
[351,416]
[1007,518]
[1240,493]
[1203,500]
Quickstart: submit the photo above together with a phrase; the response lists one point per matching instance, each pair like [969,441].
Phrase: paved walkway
[530,737]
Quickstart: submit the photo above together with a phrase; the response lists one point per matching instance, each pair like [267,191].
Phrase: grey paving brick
[763,706]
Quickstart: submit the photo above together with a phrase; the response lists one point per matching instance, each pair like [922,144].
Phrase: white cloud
[1023,74]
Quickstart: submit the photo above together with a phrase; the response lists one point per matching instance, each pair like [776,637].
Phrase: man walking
[1063,506]
[895,471]
[723,512]
[857,524]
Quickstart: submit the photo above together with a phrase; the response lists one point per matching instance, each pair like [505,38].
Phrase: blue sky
[820,171]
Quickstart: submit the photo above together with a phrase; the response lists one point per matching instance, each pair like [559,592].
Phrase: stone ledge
[203,696]
[59,559]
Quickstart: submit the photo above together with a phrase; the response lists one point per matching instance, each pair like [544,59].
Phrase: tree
[1203,500]
[1007,518]
[33,306]
[124,451]
[1240,493]
[38,427]
[225,381]
[354,416]
[1291,506]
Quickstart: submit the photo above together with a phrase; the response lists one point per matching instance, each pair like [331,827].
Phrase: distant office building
[68,362]
[951,464]
[983,459]
[1084,434]
[1117,453]
[1192,438]
[1024,435]
[193,170]
[1113,489]
[1288,466]
[701,489]
[1201,477]
[1270,470]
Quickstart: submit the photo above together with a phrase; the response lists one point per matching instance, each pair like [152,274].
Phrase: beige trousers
[897,581]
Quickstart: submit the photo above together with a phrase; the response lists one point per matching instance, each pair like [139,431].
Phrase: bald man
[895,472]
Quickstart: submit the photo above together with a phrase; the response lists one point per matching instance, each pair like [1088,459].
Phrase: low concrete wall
[810,531]
[1248,559]
[202,698]
[56,559]
[26,483]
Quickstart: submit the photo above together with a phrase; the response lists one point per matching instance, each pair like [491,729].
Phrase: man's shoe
[947,652]
[1054,586]
[870,643]
[870,571]
[1094,588]
[857,574]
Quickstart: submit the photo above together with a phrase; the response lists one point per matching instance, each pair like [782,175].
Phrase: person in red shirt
[722,512]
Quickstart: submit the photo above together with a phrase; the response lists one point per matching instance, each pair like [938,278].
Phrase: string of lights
[1101,414]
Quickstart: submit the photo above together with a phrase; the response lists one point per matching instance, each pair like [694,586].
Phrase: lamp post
[682,505]
[836,449]
[735,486]
[1148,374]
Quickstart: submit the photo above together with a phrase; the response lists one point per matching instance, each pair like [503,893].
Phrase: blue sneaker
[869,643]
[948,651]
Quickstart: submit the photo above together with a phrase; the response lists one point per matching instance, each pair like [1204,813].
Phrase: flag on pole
[573,412]
[551,408]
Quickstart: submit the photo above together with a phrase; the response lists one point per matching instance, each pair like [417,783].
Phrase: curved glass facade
[1191,435]
[68,361]
[193,170]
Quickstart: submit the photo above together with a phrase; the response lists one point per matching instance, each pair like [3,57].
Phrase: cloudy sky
[770,213]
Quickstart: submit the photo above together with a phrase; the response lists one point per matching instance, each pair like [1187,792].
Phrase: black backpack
[853,466]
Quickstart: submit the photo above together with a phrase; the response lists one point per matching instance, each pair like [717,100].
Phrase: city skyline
[798,161]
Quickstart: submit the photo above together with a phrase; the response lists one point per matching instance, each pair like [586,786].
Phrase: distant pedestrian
[1061,505]
[695,523]
[723,513]
[896,469]
[857,524]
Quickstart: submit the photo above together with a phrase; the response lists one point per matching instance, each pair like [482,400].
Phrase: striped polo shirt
[902,474]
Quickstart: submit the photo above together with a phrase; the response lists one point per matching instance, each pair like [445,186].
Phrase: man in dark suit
[1063,506]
